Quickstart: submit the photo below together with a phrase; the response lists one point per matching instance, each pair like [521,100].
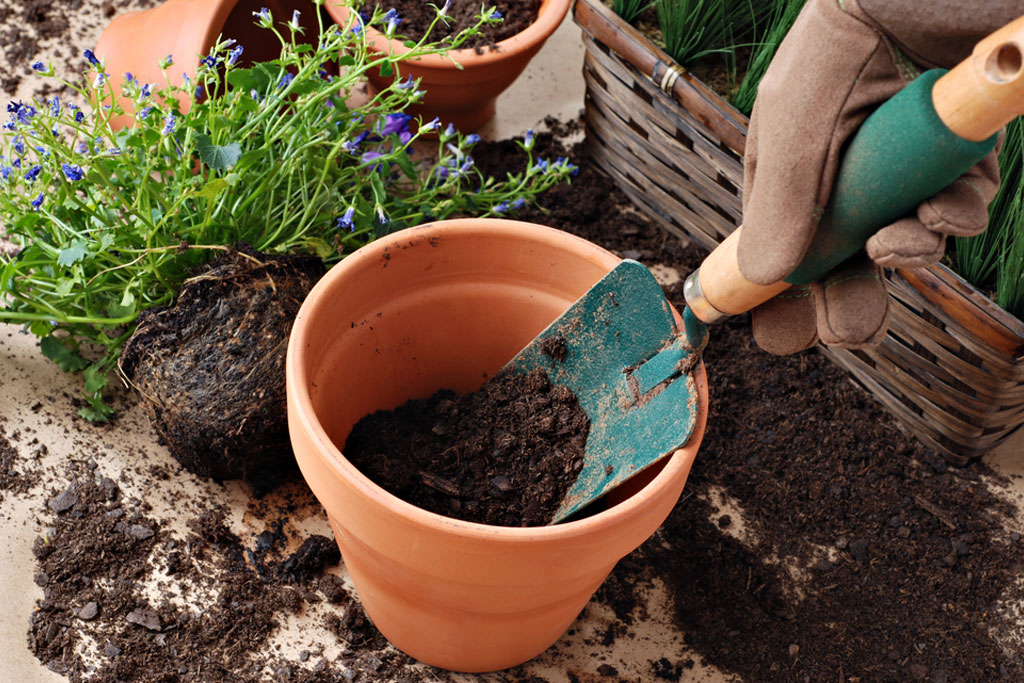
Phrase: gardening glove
[841,59]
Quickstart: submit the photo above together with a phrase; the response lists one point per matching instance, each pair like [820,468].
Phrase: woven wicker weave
[952,366]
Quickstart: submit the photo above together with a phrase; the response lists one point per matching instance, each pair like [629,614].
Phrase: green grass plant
[994,260]
[766,43]
[629,10]
[692,29]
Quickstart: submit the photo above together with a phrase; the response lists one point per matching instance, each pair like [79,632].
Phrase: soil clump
[503,455]
[417,16]
[210,369]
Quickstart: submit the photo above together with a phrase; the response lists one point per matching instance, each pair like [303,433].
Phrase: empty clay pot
[446,305]
[464,97]
[135,42]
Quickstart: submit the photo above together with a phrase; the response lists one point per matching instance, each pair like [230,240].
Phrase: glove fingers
[906,244]
[962,208]
[852,305]
[786,324]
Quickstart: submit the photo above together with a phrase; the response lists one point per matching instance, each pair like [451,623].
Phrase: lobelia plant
[108,223]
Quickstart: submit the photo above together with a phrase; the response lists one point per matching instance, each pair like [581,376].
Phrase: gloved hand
[841,59]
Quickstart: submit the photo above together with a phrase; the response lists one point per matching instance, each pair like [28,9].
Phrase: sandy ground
[35,409]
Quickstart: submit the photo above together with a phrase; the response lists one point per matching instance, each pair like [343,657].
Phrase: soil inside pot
[503,455]
[210,369]
[417,16]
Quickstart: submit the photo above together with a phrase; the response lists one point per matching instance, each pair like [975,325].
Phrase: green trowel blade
[630,368]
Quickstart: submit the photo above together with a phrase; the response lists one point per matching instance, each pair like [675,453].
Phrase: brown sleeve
[939,33]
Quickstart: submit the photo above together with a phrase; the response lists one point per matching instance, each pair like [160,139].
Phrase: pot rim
[300,404]
[549,17]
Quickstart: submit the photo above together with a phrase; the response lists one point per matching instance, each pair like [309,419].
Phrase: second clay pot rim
[548,19]
[328,452]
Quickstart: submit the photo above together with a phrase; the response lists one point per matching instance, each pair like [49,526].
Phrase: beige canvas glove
[841,59]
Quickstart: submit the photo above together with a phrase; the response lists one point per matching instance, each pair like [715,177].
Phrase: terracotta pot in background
[135,42]
[446,305]
[464,97]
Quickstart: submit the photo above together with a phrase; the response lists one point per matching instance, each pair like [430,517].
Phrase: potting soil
[504,455]
[417,16]
[815,541]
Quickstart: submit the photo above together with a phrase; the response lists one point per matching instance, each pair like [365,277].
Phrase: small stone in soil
[146,618]
[65,500]
[89,612]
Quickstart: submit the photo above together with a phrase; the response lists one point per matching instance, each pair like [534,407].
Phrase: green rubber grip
[900,156]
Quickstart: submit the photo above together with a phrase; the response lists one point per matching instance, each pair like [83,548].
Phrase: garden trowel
[630,366]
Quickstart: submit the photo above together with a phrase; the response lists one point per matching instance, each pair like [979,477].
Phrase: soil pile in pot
[210,369]
[503,455]
[417,16]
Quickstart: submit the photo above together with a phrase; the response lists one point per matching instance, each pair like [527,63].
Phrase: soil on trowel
[210,369]
[417,16]
[503,455]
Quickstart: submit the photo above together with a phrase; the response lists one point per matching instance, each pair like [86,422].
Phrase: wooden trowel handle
[950,119]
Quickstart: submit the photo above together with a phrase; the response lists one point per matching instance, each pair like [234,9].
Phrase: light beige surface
[551,86]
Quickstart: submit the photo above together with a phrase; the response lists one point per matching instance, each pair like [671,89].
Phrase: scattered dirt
[815,540]
[15,477]
[210,369]
[503,455]
[417,16]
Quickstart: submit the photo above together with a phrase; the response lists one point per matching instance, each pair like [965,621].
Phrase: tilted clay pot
[135,42]
[464,97]
[446,305]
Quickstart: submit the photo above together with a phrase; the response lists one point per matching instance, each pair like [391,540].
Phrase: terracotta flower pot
[464,97]
[446,305]
[135,42]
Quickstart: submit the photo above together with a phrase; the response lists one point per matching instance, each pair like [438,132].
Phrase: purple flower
[541,165]
[24,112]
[113,152]
[433,125]
[263,17]
[391,16]
[235,53]
[501,208]
[39,66]
[19,145]
[5,172]
[144,113]
[38,201]
[72,172]
[528,140]
[33,173]
[407,83]
[79,116]
[444,10]
[91,56]
[129,79]
[166,61]
[209,60]
[381,216]
[448,132]
[398,124]
[146,90]
[472,139]
[519,204]
[55,106]
[370,156]
[352,146]
[466,165]
[16,163]
[168,124]
[82,147]
[294,23]
[496,16]
[285,80]
[199,92]
[345,221]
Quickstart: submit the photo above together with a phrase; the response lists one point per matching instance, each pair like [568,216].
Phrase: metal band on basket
[666,80]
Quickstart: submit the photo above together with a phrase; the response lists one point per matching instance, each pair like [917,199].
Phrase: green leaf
[72,255]
[387,70]
[64,286]
[96,411]
[346,60]
[217,157]
[66,359]
[95,379]
[213,188]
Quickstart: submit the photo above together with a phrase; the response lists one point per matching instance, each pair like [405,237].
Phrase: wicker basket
[952,366]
